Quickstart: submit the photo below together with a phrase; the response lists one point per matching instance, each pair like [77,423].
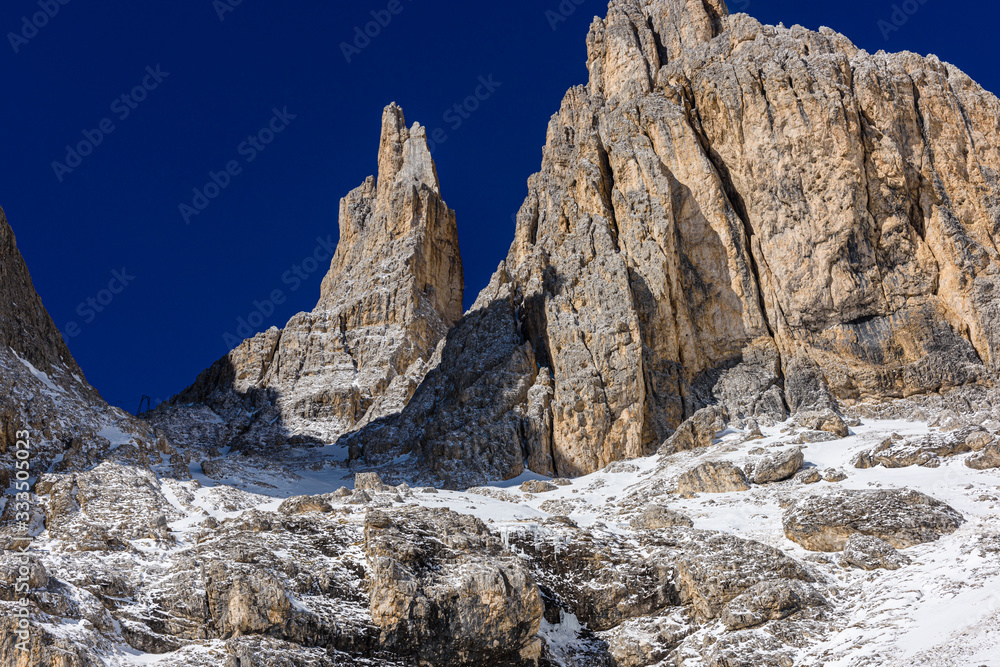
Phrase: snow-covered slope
[259,558]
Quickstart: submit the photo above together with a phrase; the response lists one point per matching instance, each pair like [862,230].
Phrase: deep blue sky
[119,208]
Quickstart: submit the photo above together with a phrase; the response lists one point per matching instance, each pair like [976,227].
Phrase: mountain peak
[393,290]
[404,158]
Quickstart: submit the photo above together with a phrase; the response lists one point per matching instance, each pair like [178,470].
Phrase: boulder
[645,641]
[538,486]
[978,440]
[898,452]
[714,568]
[14,566]
[826,420]
[808,476]
[655,517]
[871,553]
[697,432]
[775,466]
[987,459]
[370,481]
[834,475]
[901,517]
[444,591]
[713,477]
[769,601]
[305,505]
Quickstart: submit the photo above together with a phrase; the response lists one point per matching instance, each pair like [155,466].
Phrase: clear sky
[165,94]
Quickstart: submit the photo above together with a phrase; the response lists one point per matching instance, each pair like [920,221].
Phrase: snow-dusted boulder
[901,517]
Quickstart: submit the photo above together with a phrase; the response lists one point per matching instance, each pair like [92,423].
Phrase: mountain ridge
[729,400]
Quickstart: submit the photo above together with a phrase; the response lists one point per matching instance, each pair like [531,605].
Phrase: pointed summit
[403,156]
[394,289]
[627,49]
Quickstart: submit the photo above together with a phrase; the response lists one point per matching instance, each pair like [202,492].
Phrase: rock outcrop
[901,517]
[656,517]
[393,291]
[871,553]
[454,600]
[769,601]
[775,466]
[713,477]
[760,218]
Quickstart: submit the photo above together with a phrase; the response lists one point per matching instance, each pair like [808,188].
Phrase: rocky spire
[748,217]
[393,290]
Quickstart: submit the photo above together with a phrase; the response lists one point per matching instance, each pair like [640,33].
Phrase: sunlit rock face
[393,290]
[758,218]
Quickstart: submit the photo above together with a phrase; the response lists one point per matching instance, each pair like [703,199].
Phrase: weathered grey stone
[871,553]
[775,466]
[808,476]
[769,601]
[538,486]
[713,569]
[456,599]
[987,459]
[901,517]
[656,517]
[305,505]
[827,421]
[645,641]
[902,453]
[370,481]
[713,477]
[834,475]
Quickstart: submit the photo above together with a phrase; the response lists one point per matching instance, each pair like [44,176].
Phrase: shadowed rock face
[765,218]
[26,326]
[393,290]
[44,399]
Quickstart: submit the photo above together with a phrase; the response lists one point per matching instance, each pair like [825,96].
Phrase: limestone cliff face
[728,213]
[393,290]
